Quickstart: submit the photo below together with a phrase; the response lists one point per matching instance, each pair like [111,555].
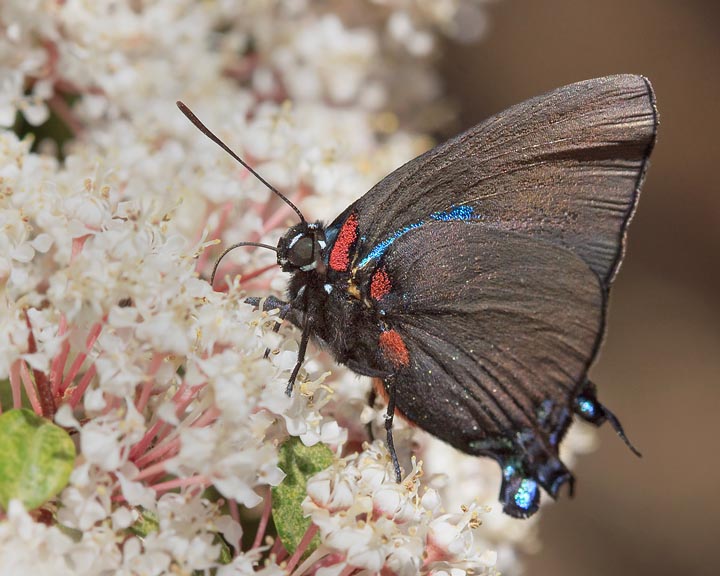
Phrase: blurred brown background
[660,367]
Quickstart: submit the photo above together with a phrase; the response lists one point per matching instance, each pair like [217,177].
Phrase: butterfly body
[340,309]
[473,280]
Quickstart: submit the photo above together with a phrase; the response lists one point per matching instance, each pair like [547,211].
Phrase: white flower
[137,559]
[30,547]
[105,440]
[248,564]
[135,493]
[104,259]
[375,524]
[97,552]
[230,457]
[87,500]
[13,334]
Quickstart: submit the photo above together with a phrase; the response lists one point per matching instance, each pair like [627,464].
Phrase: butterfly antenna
[205,130]
[238,245]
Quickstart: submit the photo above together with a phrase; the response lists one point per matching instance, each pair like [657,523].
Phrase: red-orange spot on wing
[380,284]
[340,253]
[394,349]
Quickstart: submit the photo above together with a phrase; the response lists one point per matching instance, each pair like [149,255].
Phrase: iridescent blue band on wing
[380,249]
[456,213]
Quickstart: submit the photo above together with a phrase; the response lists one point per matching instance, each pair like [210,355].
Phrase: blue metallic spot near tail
[587,407]
[526,492]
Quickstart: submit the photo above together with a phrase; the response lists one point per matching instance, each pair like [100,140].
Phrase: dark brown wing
[500,329]
[564,167]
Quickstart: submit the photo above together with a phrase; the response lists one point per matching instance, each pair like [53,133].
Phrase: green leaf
[54,128]
[145,524]
[36,458]
[299,462]
[6,398]
[226,551]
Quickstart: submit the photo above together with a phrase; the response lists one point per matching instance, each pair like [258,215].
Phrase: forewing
[564,167]
[500,329]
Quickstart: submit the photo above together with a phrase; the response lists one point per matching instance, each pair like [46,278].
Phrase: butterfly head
[302,248]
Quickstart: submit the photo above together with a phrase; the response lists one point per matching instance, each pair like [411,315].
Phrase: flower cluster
[109,327]
[369,522]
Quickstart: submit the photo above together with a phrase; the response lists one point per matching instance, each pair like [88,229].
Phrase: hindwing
[497,333]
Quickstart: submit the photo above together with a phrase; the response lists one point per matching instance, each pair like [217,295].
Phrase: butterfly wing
[489,259]
[488,349]
[564,167]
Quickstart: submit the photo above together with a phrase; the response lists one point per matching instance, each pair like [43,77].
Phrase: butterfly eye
[301,253]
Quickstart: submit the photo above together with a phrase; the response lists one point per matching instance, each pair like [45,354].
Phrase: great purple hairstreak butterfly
[473,281]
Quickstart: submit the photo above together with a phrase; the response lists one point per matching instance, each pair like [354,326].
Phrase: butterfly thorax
[333,307]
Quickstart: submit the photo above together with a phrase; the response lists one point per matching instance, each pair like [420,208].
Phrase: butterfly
[472,282]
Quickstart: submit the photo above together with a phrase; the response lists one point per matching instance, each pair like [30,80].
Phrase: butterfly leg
[284,310]
[300,359]
[389,384]
[372,397]
[590,410]
[271,303]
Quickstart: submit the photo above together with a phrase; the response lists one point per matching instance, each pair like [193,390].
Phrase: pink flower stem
[256,273]
[278,550]
[234,511]
[153,470]
[235,515]
[185,395]
[171,447]
[168,449]
[179,393]
[30,388]
[15,384]
[264,519]
[58,364]
[77,246]
[283,212]
[145,441]
[163,432]
[155,364]
[160,429]
[300,550]
[181,482]
[111,403]
[79,390]
[77,364]
[208,417]
[42,384]
[64,112]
